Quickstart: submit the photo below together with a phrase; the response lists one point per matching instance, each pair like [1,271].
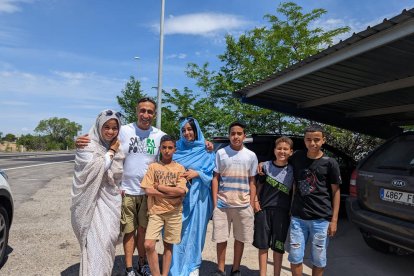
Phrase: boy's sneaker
[235,273]
[219,273]
[131,273]
[195,272]
[144,270]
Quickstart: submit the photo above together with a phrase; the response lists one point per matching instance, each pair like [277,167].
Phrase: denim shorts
[303,230]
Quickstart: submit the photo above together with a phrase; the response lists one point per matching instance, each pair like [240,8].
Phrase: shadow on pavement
[6,255]
[207,268]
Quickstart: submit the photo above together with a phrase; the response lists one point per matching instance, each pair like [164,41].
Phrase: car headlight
[4,174]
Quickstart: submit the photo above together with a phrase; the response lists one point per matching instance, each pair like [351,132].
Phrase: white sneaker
[195,272]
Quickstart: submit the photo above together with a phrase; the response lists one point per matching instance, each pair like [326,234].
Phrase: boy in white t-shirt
[234,191]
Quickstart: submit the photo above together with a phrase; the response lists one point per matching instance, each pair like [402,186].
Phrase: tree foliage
[290,35]
[129,98]
[9,137]
[355,144]
[180,104]
[288,38]
[59,132]
[34,142]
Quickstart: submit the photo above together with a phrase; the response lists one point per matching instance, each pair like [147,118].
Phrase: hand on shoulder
[82,141]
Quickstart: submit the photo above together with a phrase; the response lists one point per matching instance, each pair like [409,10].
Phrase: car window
[398,155]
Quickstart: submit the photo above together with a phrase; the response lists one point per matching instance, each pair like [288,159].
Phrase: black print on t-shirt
[166,178]
[307,184]
[137,145]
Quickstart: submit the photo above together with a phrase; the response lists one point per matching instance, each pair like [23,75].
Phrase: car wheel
[376,244]
[4,233]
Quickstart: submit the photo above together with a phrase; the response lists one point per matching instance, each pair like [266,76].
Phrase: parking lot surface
[42,243]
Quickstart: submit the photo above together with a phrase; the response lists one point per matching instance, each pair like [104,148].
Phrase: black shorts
[270,229]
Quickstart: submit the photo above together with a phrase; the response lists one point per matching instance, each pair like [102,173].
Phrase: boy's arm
[153,192]
[169,191]
[214,188]
[259,185]
[149,183]
[252,185]
[336,199]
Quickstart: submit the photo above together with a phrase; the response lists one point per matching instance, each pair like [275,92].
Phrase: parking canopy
[364,83]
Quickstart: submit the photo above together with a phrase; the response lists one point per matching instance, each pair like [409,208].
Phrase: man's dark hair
[239,124]
[315,128]
[147,99]
[166,138]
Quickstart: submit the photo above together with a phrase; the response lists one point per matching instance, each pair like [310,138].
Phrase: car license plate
[397,196]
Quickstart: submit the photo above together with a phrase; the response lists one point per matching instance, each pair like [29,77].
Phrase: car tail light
[352,184]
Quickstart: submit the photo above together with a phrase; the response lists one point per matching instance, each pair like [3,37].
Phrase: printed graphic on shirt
[276,184]
[166,178]
[146,145]
[308,182]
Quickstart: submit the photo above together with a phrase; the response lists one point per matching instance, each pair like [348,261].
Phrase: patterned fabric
[96,202]
[235,168]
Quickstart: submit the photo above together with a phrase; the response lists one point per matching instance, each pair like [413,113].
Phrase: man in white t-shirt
[140,143]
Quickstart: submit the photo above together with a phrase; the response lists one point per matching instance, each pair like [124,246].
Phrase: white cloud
[11,36]
[204,24]
[355,26]
[60,86]
[78,96]
[11,6]
[14,103]
[179,56]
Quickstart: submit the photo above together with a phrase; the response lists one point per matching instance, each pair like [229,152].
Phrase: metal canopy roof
[364,83]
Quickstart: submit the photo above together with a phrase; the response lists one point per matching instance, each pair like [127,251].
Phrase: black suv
[263,145]
[381,201]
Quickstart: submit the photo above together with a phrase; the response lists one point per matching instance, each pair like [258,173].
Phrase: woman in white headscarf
[96,199]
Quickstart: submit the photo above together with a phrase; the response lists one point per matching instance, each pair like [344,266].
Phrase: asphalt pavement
[42,242]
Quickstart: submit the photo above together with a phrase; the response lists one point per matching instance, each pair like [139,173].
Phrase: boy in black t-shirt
[316,202]
[271,220]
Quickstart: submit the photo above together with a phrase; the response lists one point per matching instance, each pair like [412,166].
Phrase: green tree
[355,144]
[33,142]
[256,54]
[9,137]
[178,104]
[60,132]
[129,98]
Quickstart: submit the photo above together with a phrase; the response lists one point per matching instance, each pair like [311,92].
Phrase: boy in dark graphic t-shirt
[316,202]
[272,206]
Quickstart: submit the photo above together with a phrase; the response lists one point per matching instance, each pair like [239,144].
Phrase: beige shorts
[172,224]
[243,224]
[133,213]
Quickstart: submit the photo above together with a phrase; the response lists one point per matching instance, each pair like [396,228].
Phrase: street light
[137,59]
[159,88]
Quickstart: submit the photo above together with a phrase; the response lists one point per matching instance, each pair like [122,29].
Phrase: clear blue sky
[70,58]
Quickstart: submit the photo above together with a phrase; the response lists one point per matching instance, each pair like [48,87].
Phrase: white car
[6,214]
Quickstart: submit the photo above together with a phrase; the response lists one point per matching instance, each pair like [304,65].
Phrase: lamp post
[159,88]
[137,59]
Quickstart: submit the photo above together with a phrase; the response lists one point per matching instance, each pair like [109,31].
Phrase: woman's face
[188,132]
[110,130]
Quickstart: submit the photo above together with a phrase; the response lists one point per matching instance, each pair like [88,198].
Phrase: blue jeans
[302,230]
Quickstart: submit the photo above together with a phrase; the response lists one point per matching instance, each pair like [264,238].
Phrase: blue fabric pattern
[197,204]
